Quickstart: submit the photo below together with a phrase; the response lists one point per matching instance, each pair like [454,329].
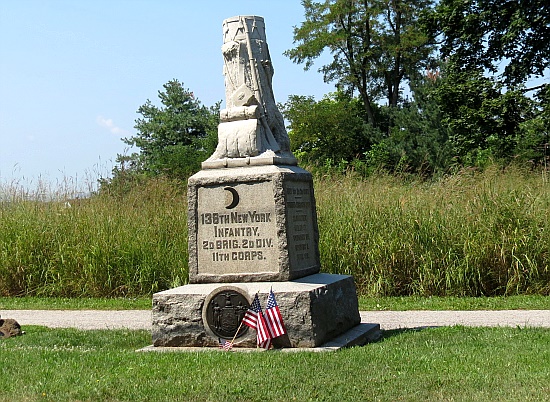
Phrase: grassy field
[108,245]
[437,364]
[470,234]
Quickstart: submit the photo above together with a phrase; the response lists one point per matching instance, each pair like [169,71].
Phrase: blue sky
[74,72]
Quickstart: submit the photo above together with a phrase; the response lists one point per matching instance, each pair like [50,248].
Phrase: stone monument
[251,125]
[252,223]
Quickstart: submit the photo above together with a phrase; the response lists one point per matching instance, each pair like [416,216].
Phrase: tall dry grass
[468,234]
[106,245]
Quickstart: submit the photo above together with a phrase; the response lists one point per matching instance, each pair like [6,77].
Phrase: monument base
[316,309]
[357,336]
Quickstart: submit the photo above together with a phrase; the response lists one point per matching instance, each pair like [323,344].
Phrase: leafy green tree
[475,109]
[533,145]
[492,49]
[490,34]
[482,118]
[418,140]
[173,139]
[375,45]
[328,131]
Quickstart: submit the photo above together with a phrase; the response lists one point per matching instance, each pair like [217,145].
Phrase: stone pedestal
[252,229]
[315,309]
[254,223]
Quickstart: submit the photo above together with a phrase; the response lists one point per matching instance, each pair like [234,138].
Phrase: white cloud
[111,126]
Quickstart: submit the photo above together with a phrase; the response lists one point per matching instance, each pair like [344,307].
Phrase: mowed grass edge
[523,302]
[448,363]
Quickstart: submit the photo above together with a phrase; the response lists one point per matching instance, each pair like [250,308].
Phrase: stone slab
[259,160]
[254,224]
[357,336]
[315,309]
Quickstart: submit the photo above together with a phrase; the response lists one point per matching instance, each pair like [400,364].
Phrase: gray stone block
[315,309]
[255,223]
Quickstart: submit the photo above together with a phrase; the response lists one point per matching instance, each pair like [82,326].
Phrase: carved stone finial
[252,130]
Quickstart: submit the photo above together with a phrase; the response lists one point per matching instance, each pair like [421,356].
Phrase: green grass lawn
[436,364]
[533,302]
[526,302]
[77,303]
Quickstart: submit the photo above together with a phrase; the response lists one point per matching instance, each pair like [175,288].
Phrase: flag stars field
[268,325]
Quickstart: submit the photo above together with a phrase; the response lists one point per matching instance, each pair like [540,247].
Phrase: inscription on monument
[302,251]
[236,231]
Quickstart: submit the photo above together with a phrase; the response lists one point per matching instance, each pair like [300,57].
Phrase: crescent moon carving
[234,198]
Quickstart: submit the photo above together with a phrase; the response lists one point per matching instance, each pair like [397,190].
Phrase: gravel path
[481,318]
[141,319]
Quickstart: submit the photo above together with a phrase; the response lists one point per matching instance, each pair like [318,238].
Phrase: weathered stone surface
[315,309]
[266,158]
[9,327]
[240,137]
[252,127]
[252,224]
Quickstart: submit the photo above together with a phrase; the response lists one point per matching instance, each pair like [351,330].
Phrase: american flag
[225,344]
[263,337]
[254,318]
[251,316]
[273,317]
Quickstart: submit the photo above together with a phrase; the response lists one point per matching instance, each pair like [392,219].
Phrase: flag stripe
[273,316]
[263,336]
[250,319]
[275,322]
[266,344]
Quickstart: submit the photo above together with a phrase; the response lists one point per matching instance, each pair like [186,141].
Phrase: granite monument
[252,223]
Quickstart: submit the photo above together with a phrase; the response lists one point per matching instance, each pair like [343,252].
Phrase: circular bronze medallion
[224,313]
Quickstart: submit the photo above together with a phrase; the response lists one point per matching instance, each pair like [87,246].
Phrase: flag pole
[259,312]
[238,329]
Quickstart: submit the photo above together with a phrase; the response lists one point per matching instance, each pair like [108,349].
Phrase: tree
[328,131]
[375,45]
[418,140]
[175,138]
[493,48]
[491,33]
[534,142]
[480,116]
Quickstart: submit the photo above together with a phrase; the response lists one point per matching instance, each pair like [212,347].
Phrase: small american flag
[273,317]
[251,316]
[254,318]
[225,344]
